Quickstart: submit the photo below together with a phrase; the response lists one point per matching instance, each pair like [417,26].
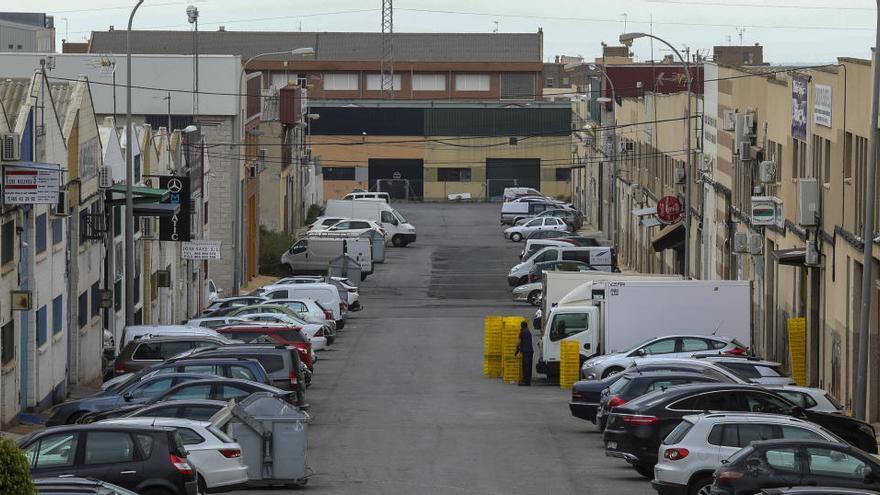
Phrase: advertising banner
[28,183]
[799,108]
[176,227]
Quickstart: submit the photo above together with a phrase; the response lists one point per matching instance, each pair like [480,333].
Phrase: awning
[645,211]
[669,237]
[156,209]
[140,194]
[793,257]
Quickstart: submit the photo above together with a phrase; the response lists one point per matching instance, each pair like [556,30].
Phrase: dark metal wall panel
[342,121]
[498,121]
[518,85]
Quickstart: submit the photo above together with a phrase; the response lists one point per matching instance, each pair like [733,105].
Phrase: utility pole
[129,179]
[192,15]
[860,406]
[387,64]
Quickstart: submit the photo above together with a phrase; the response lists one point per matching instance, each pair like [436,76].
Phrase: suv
[753,369]
[699,444]
[281,362]
[144,459]
[143,353]
[274,333]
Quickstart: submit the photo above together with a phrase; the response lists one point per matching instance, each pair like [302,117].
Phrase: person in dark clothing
[525,348]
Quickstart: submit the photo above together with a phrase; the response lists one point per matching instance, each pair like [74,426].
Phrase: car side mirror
[587,346]
[870,477]
[641,353]
[127,397]
[797,411]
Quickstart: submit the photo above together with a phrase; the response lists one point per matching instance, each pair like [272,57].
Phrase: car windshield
[400,218]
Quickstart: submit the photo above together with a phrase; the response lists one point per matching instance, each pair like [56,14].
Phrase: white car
[353,227]
[347,290]
[324,223]
[695,448]
[313,331]
[214,455]
[814,399]
[530,293]
[308,310]
[215,321]
[520,232]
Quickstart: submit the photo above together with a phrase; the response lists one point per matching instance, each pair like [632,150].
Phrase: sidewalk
[30,422]
[257,282]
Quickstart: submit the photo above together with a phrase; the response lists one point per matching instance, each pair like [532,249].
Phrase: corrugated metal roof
[13,94]
[422,47]
[62,94]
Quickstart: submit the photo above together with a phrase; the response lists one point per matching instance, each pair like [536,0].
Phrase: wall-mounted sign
[201,250]
[763,210]
[669,210]
[28,183]
[822,105]
[20,300]
[176,227]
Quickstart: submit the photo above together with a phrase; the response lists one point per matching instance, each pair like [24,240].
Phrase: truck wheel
[612,371]
[397,241]
[516,237]
[533,297]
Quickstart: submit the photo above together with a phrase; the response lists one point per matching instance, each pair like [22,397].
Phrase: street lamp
[192,16]
[627,39]
[129,178]
[612,224]
[304,52]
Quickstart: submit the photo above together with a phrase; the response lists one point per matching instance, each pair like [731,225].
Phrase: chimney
[111,27]
[222,29]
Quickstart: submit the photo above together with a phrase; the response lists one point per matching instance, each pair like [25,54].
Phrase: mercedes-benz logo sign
[174,185]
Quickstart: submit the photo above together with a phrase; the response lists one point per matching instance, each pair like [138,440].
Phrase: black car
[194,409]
[229,366]
[787,463]
[78,486]
[549,234]
[138,392]
[634,384]
[222,307]
[223,389]
[586,394]
[635,430]
[149,460]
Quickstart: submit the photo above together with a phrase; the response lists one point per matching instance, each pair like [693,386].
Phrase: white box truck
[312,254]
[614,315]
[396,227]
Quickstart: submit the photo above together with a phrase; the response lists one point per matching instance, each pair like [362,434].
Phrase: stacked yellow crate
[492,346]
[511,364]
[569,363]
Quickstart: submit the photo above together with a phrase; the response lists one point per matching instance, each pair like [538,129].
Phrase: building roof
[62,95]
[408,47]
[13,94]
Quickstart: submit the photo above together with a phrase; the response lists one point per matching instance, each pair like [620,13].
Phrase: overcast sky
[791,31]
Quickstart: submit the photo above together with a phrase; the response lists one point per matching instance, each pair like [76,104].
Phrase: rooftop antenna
[624,15]
[495,29]
[300,26]
[729,40]
[740,31]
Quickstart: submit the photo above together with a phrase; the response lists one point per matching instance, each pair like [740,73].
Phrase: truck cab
[577,323]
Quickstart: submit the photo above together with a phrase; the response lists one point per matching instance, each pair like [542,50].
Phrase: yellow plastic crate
[569,363]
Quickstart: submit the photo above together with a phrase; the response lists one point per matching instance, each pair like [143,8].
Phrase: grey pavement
[400,404]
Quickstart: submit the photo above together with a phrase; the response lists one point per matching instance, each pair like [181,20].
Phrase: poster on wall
[822,105]
[799,108]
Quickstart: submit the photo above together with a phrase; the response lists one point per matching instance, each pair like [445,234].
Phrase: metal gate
[507,172]
[400,178]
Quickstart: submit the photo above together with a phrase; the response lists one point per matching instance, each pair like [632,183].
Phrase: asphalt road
[400,405]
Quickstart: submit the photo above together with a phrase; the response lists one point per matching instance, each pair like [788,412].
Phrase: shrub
[272,246]
[15,475]
[315,211]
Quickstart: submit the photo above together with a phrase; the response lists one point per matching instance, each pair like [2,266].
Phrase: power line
[760,5]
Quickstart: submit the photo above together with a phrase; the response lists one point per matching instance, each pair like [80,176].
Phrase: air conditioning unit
[680,175]
[62,207]
[767,172]
[638,194]
[750,124]
[10,147]
[808,201]
[740,242]
[745,151]
[105,177]
[163,278]
[756,244]
[811,256]
[147,228]
[728,120]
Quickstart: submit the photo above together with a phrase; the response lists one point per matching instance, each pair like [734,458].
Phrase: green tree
[15,475]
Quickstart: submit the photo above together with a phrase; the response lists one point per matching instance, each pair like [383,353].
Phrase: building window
[374,82]
[338,173]
[57,230]
[454,174]
[96,299]
[472,82]
[563,174]
[117,295]
[341,81]
[57,315]
[42,323]
[429,82]
[40,234]
[7,250]
[7,342]
[83,311]
[83,225]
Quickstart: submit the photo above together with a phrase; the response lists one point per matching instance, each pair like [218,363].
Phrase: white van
[396,227]
[382,196]
[313,253]
[325,294]
[602,258]
[141,331]
[511,193]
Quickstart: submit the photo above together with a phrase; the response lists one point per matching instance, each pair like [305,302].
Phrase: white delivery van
[313,253]
[383,196]
[517,210]
[608,316]
[532,246]
[601,258]
[396,227]
[324,294]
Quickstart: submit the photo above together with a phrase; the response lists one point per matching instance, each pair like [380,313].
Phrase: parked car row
[154,427]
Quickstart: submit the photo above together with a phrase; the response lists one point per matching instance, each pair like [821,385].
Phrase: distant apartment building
[739,55]
[27,32]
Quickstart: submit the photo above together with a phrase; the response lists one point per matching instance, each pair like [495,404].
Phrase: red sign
[669,209]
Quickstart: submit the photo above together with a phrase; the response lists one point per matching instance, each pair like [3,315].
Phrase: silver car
[671,346]
[530,293]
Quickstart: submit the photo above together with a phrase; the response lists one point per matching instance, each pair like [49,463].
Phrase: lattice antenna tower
[387,63]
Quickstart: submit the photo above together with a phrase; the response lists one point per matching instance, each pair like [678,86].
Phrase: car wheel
[155,491]
[516,237]
[397,241]
[701,486]
[533,297]
[75,417]
[647,472]
[203,487]
[611,371]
